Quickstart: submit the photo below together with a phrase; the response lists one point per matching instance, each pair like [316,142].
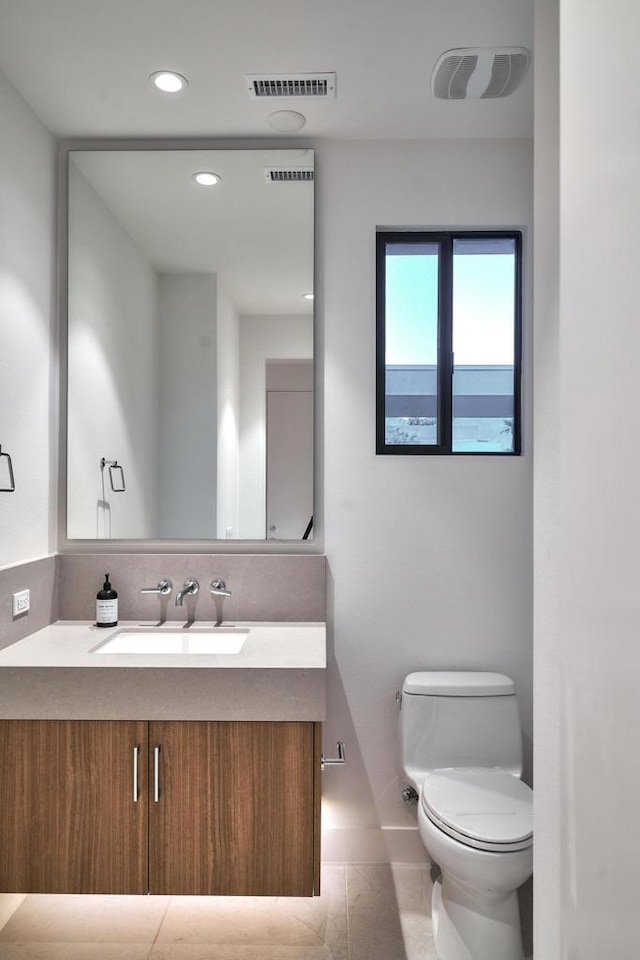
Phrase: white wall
[548,640]
[262,339]
[228,398]
[113,373]
[430,558]
[187,407]
[597,465]
[27,329]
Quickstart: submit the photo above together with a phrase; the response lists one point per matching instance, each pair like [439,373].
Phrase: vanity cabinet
[161,807]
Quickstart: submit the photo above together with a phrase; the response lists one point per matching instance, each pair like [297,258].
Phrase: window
[448,342]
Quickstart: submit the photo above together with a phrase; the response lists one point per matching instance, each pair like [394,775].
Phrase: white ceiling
[82,65]
[257,237]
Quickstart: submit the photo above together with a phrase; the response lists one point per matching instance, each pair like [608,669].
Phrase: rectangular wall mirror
[190,345]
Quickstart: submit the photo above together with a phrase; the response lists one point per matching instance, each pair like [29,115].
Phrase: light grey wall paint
[429,558]
[228,414]
[113,373]
[548,641]
[262,338]
[186,420]
[597,462]
[27,330]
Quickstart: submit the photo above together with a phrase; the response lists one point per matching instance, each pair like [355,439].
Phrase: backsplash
[40,577]
[262,587]
[64,587]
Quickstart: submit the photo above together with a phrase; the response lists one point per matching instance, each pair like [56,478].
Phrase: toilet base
[468,925]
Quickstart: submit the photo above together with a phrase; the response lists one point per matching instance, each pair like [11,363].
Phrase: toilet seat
[489,809]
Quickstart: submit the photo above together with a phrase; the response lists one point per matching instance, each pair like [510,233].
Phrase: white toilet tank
[459,719]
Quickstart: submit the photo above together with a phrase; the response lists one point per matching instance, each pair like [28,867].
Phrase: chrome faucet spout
[189,589]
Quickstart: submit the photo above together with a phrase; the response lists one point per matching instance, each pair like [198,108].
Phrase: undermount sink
[216,640]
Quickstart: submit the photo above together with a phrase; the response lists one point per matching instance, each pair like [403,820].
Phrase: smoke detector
[479,72]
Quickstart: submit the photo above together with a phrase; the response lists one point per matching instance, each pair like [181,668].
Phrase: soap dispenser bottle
[106,605]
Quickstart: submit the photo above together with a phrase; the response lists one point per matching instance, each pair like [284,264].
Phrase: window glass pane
[411,343]
[484,290]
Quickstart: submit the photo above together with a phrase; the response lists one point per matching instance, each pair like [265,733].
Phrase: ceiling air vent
[274,86]
[288,175]
[479,72]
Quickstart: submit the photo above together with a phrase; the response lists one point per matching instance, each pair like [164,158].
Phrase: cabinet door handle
[136,757]
[156,774]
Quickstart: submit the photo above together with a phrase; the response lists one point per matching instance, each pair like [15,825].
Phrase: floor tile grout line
[346,909]
[164,917]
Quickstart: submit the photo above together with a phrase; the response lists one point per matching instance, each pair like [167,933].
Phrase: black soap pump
[106,605]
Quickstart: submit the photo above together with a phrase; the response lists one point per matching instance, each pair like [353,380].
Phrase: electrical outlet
[21,602]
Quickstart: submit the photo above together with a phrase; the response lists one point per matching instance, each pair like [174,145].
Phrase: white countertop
[69,643]
[279,674]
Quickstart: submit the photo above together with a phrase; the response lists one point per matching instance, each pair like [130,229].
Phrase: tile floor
[366,912]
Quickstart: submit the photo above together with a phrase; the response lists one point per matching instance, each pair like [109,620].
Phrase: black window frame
[445,240]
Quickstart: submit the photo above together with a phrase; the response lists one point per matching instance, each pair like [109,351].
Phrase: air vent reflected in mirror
[288,175]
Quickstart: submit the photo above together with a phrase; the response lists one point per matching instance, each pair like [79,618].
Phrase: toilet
[462,753]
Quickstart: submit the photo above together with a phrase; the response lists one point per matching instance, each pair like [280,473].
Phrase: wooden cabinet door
[237,808]
[68,820]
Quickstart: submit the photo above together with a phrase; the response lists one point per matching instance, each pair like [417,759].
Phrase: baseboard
[372,845]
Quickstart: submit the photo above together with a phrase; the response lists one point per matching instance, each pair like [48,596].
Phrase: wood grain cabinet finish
[220,807]
[68,823]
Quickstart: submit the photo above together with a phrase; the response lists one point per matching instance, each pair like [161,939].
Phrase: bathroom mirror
[190,344]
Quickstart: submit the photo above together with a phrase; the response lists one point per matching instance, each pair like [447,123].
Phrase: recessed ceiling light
[287,121]
[308,296]
[169,82]
[206,178]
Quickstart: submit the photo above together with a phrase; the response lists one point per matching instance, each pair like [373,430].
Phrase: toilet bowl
[475,910]
[474,814]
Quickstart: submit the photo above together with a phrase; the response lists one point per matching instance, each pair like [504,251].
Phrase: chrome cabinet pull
[136,756]
[156,774]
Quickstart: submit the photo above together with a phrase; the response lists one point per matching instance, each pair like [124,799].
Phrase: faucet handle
[219,588]
[164,588]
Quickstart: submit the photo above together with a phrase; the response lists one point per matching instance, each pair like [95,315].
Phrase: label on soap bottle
[107,612]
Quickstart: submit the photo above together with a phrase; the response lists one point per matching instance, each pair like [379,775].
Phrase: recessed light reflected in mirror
[207,178]
[307,296]
[169,82]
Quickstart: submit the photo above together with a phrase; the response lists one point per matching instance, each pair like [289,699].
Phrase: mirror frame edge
[60,379]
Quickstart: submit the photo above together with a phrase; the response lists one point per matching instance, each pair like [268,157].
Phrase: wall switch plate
[21,602]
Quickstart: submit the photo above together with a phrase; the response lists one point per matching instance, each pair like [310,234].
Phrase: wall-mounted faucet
[219,588]
[164,588]
[189,589]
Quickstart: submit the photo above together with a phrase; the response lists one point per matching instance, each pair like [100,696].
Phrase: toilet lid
[487,809]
